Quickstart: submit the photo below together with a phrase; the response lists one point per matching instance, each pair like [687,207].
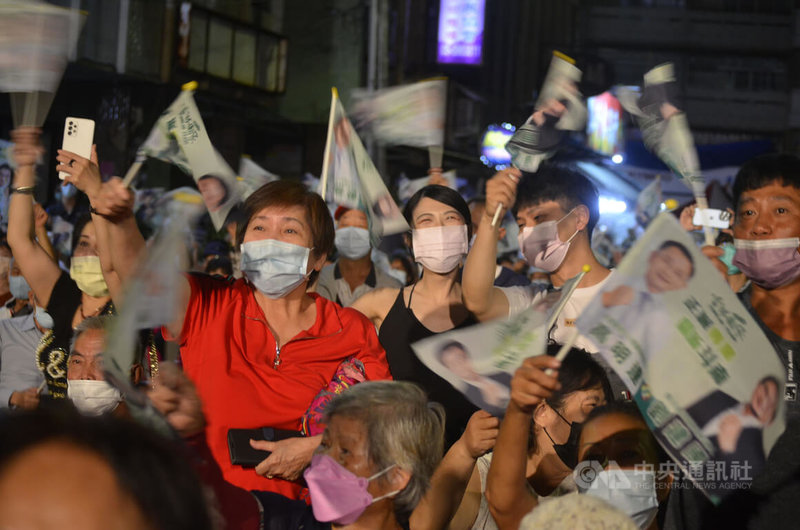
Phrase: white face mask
[440,248]
[630,491]
[352,242]
[93,398]
[275,267]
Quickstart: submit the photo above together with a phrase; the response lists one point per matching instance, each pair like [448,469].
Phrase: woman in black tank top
[441,225]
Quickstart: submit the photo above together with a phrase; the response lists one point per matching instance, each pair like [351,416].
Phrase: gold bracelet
[27,190]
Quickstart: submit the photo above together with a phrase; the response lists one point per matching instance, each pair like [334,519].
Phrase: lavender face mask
[769,263]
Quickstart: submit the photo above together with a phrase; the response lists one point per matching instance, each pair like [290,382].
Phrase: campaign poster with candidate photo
[704,375]
[479,361]
[180,137]
[412,114]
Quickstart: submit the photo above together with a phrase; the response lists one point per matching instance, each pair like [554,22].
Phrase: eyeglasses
[626,448]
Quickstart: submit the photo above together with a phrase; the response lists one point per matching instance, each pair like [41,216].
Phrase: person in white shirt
[556,209]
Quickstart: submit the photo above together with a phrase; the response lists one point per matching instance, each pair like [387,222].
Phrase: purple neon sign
[460,31]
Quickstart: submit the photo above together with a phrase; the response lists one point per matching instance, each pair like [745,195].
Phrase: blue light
[493,152]
[617,159]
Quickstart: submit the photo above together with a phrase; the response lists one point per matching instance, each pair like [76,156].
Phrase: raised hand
[84,173]
[531,385]
[501,189]
[480,434]
[27,148]
[114,200]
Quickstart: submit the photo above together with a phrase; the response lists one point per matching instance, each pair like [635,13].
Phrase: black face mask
[568,451]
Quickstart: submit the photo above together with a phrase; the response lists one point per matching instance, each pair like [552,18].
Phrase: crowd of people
[292,325]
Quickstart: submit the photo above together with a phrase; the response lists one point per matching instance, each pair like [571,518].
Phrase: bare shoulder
[376,304]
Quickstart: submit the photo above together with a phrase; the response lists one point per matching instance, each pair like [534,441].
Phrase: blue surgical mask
[352,242]
[727,258]
[275,267]
[19,287]
[631,491]
[43,318]
[399,275]
[68,191]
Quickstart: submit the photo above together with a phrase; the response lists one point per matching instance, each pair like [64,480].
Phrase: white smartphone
[711,217]
[78,138]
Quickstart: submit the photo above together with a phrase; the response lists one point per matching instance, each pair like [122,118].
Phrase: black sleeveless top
[399,330]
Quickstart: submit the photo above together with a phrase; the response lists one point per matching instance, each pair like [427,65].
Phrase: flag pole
[323,185]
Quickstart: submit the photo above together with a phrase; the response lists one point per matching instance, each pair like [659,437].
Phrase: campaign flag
[350,178]
[648,203]
[180,137]
[704,375]
[562,108]
[151,297]
[479,361]
[160,144]
[37,40]
[665,129]
[252,176]
[408,187]
[554,300]
[312,183]
[412,114]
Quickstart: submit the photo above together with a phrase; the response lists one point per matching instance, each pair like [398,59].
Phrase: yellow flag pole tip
[564,56]
[334,92]
[670,204]
[586,268]
[191,85]
[188,198]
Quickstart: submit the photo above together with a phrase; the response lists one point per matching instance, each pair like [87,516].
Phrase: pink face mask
[337,495]
[769,263]
[541,245]
[440,248]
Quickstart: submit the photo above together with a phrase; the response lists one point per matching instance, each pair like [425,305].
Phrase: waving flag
[350,178]
[179,137]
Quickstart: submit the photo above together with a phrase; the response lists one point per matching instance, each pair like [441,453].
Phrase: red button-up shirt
[229,353]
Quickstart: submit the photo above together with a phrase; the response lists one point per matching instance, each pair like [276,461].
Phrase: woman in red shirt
[261,348]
